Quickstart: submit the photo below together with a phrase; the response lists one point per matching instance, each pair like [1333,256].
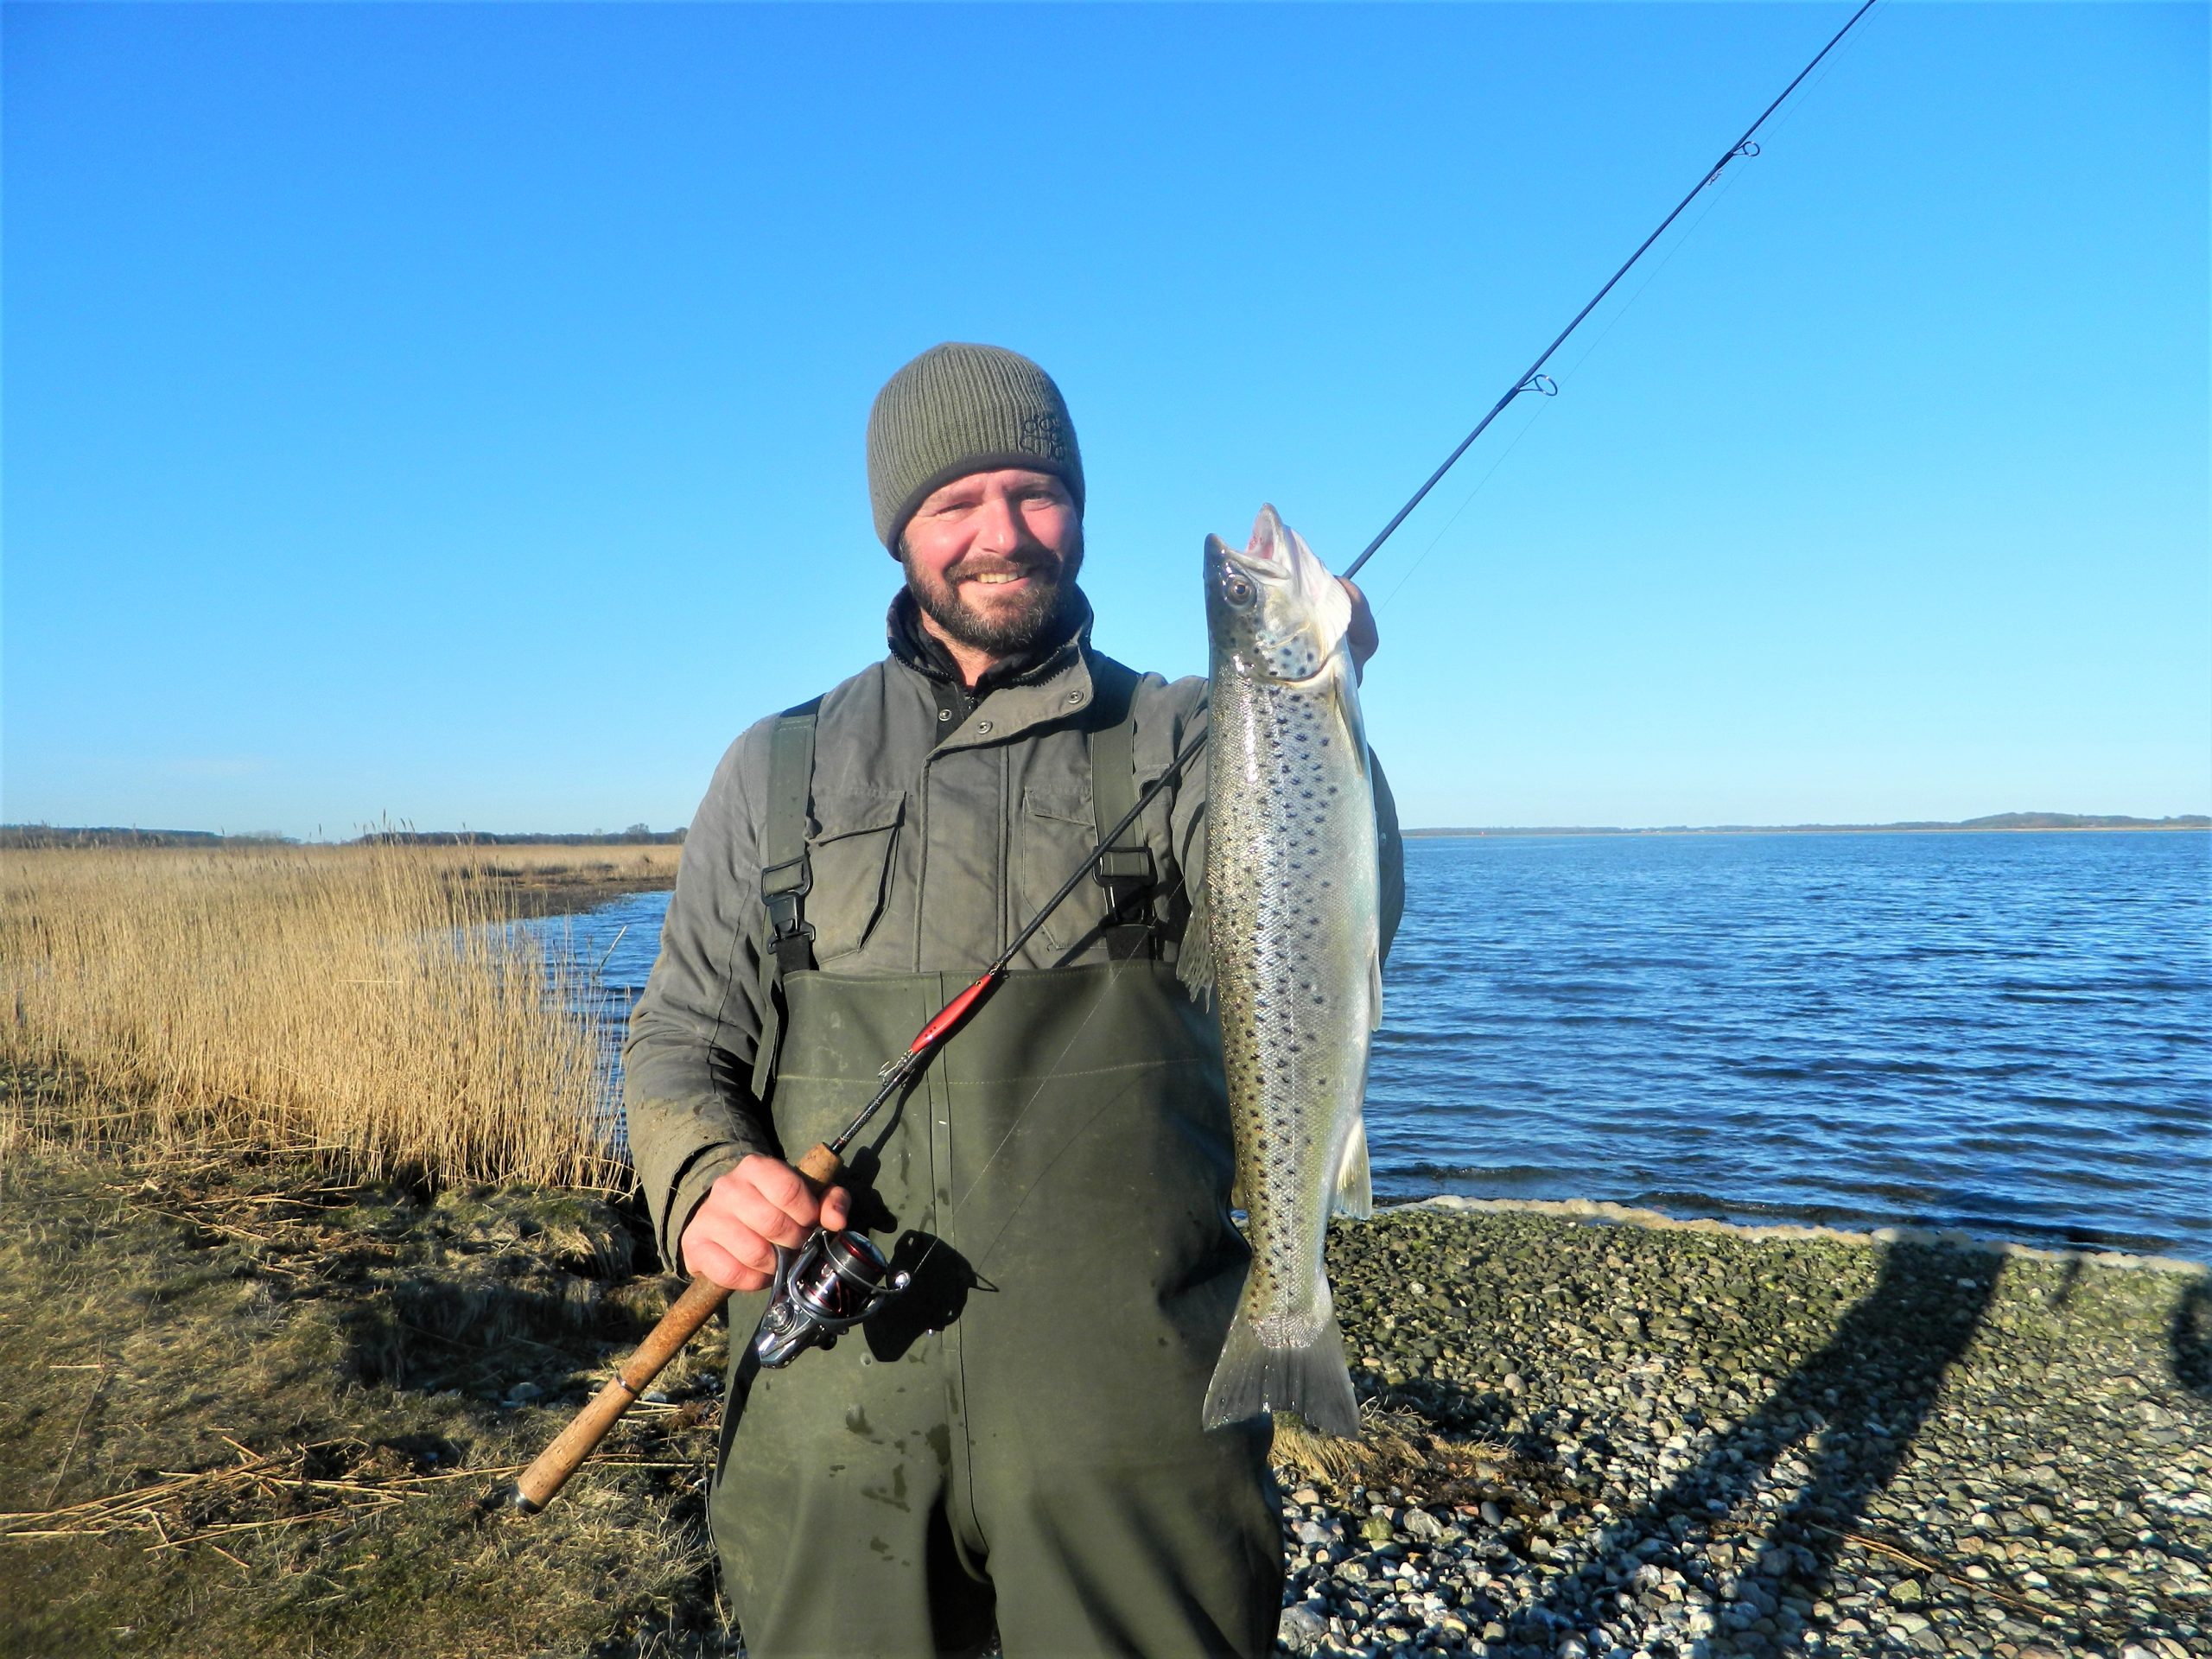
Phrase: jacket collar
[1048,685]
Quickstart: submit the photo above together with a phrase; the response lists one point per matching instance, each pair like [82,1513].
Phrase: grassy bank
[255,1404]
[372,1004]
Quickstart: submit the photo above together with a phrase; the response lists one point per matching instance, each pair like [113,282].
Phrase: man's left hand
[1361,635]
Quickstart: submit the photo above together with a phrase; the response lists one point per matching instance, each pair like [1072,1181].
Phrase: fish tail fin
[1311,1381]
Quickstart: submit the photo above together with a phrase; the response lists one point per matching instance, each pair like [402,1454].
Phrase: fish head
[1272,610]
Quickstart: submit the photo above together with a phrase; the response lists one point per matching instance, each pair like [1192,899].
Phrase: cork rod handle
[535,1487]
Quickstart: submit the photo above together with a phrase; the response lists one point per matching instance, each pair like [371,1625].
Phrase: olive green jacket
[931,841]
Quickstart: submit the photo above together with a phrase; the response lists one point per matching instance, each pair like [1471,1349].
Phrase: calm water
[2011,1032]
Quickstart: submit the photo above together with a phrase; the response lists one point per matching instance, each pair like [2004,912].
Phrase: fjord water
[2007,1033]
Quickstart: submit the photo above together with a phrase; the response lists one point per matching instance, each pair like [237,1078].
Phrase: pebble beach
[1624,1436]
[258,1407]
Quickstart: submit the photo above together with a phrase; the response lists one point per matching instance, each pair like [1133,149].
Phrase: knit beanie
[956,410]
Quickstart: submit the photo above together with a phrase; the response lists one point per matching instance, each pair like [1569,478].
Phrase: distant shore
[2003,823]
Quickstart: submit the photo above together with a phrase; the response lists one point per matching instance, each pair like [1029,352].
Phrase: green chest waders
[1016,1441]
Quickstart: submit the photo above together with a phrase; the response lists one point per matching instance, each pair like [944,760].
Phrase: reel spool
[823,1288]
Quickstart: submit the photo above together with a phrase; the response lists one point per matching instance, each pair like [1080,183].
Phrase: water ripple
[2007,1033]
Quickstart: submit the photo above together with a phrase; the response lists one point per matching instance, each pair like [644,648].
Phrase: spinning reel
[823,1288]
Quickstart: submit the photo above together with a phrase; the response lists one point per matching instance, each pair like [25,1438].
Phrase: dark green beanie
[957,409]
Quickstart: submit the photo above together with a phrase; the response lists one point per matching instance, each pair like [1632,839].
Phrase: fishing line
[1533,379]
[1791,113]
[1051,1074]
[1568,374]
[537,1484]
[1658,272]
[1437,540]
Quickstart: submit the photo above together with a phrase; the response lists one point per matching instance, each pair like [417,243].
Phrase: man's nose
[1003,529]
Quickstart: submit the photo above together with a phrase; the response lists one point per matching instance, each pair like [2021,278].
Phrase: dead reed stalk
[373,1002]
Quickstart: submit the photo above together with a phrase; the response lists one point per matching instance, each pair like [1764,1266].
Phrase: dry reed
[374,1003]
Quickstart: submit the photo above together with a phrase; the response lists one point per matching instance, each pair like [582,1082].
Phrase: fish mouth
[1267,555]
[1267,552]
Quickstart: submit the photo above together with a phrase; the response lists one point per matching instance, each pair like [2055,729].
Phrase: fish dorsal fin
[1355,1188]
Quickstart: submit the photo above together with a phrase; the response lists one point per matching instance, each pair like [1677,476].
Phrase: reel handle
[533,1489]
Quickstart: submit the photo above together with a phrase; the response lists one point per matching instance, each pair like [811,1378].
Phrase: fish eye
[1237,590]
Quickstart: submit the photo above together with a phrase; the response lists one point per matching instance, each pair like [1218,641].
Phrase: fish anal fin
[1353,1194]
[1194,956]
[1374,991]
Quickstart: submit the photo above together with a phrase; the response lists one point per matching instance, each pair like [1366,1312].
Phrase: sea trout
[1290,948]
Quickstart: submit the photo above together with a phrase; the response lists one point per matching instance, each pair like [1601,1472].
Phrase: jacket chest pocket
[848,855]
[1057,832]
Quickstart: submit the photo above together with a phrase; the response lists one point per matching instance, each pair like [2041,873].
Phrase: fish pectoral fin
[1194,956]
[1374,991]
[1354,1193]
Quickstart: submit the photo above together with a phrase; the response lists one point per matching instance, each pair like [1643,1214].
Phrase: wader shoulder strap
[785,878]
[1126,872]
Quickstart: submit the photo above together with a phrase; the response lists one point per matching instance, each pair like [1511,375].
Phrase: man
[1014,1444]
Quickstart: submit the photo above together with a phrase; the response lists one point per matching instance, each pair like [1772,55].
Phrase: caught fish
[1290,945]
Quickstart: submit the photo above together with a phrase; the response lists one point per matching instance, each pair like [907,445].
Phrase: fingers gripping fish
[1290,945]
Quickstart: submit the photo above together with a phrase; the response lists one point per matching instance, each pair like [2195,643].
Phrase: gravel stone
[1706,1441]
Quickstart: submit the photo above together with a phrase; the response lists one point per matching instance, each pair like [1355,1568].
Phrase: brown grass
[370,1003]
[1402,1451]
[253,1407]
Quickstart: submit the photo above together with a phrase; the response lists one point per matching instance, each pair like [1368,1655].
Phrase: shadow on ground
[1850,1411]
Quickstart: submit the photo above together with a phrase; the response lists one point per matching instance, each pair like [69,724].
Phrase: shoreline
[1598,1210]
[1593,1432]
[1721,1440]
[1599,832]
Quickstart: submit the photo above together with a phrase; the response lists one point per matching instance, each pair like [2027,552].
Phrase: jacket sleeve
[1390,852]
[686,1067]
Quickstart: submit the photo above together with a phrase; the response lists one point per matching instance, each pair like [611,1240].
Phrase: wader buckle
[1127,875]
[784,888]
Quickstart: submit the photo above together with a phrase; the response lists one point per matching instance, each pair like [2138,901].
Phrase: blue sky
[454,413]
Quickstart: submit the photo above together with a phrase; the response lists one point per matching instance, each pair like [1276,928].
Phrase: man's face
[989,557]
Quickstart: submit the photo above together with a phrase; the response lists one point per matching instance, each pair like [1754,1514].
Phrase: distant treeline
[47,835]
[636,835]
[1994,821]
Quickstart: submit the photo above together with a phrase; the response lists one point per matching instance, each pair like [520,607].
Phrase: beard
[1008,630]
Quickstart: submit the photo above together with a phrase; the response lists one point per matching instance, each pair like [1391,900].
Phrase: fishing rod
[835,1281]
[1533,378]
[832,1281]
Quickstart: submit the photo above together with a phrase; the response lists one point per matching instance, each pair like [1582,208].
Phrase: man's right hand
[732,1236]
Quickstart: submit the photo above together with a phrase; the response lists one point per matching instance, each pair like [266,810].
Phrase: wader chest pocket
[848,853]
[1057,833]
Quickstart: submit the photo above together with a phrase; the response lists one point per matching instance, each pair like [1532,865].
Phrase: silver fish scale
[1291,877]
